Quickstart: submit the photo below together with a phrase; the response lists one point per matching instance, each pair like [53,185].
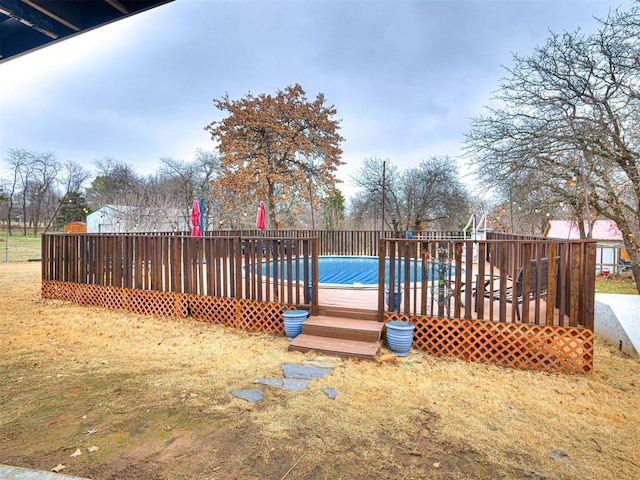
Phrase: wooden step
[335,346]
[346,312]
[346,328]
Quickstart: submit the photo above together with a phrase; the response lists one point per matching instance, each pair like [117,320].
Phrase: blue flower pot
[399,337]
[293,322]
[392,304]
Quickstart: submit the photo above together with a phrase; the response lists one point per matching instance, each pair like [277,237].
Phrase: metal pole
[313,219]
[64,199]
[384,173]
[511,209]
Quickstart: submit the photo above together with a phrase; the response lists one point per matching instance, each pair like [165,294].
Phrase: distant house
[610,248]
[127,219]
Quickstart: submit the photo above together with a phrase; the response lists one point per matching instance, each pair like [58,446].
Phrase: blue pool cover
[350,270]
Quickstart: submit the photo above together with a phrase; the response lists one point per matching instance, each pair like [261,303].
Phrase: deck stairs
[337,336]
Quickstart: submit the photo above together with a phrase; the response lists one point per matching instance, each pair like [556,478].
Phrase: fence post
[382,249]
[314,276]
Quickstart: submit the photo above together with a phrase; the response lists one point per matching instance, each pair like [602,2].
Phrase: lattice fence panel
[58,290]
[87,295]
[92,295]
[529,347]
[262,317]
[148,302]
[212,309]
[115,298]
[247,315]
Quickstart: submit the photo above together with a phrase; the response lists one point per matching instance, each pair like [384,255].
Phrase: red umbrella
[195,219]
[261,217]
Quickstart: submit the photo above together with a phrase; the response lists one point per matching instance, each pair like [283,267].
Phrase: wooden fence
[263,269]
[339,242]
[476,280]
[523,303]
[431,276]
[330,242]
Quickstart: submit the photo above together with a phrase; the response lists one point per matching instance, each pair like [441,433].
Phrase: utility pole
[384,173]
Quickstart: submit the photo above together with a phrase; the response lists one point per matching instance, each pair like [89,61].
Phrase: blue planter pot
[399,337]
[392,303]
[293,322]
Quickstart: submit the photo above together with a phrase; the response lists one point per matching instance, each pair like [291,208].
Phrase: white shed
[127,219]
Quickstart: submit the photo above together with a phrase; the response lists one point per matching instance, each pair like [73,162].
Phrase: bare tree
[183,181]
[377,179]
[116,183]
[73,177]
[569,119]
[419,198]
[44,169]
[18,161]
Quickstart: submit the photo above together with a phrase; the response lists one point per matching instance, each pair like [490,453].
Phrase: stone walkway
[295,377]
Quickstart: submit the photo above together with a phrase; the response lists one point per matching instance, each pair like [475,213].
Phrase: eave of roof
[28,25]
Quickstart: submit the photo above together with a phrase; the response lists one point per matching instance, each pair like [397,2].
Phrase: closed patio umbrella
[195,219]
[261,217]
[202,214]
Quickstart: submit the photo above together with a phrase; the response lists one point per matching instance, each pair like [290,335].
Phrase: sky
[405,76]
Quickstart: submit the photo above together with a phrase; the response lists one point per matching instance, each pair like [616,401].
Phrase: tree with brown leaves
[277,147]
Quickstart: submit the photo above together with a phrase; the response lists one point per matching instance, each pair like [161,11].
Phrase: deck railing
[269,269]
[330,242]
[436,275]
[476,280]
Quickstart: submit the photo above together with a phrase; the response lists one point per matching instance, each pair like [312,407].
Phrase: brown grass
[154,395]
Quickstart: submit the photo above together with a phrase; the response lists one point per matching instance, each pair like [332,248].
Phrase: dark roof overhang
[27,25]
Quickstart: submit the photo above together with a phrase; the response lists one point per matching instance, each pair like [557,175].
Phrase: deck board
[347,328]
[335,346]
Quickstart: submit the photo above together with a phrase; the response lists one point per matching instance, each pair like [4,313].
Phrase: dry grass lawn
[144,397]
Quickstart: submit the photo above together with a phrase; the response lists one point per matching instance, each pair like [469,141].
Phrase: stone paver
[254,395]
[320,364]
[330,392]
[288,384]
[292,370]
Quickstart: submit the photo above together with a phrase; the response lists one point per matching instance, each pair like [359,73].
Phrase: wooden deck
[362,303]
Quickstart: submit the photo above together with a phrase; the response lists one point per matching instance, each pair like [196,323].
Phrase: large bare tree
[569,118]
[277,147]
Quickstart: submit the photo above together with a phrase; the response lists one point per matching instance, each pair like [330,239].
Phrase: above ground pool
[358,272]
